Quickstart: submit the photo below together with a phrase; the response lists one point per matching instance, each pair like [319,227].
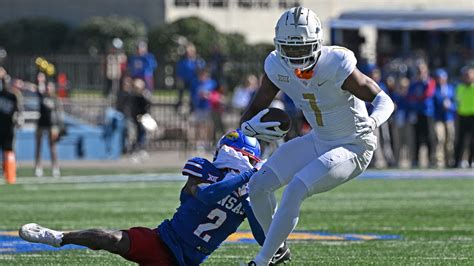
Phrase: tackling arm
[367,90]
[212,193]
[257,230]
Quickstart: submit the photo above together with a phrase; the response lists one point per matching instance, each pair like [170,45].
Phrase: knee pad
[264,181]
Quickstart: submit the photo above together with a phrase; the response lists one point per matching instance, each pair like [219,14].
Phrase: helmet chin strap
[307,72]
[312,63]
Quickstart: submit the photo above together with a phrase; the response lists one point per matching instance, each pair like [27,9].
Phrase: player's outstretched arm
[367,90]
[212,193]
[255,226]
[262,99]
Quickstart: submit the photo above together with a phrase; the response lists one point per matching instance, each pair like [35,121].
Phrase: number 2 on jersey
[317,112]
[221,217]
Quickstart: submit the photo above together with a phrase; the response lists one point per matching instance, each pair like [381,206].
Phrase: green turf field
[434,217]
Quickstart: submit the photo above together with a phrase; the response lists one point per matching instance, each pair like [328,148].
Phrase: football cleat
[38,171]
[282,255]
[56,172]
[37,234]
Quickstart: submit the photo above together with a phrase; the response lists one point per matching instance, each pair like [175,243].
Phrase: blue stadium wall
[82,142]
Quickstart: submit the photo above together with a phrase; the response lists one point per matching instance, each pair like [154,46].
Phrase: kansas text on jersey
[197,229]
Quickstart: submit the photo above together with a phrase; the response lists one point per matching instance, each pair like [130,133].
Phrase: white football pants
[309,166]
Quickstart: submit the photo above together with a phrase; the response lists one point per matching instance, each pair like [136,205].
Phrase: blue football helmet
[248,146]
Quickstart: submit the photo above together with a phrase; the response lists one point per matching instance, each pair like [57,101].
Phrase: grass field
[435,219]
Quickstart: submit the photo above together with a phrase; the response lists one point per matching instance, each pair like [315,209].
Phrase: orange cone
[9,167]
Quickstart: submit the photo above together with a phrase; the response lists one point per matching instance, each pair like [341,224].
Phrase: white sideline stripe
[103,179]
[417,174]
[369,174]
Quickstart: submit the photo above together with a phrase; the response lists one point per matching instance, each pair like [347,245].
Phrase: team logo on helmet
[236,140]
[233,135]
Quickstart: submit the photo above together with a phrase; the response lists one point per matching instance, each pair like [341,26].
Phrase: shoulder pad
[271,64]
[203,169]
[339,50]
[341,54]
[341,63]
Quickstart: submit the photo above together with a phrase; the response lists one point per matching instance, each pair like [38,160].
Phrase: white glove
[260,164]
[232,159]
[364,124]
[260,130]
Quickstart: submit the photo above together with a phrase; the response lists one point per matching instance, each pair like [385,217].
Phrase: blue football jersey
[197,229]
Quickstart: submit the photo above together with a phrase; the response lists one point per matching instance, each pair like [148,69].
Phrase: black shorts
[6,140]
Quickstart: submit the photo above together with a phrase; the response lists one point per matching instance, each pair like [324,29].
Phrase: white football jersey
[326,106]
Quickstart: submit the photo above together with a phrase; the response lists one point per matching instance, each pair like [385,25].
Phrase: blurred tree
[97,33]
[33,35]
[167,42]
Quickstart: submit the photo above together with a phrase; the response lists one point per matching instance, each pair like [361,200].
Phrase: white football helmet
[298,38]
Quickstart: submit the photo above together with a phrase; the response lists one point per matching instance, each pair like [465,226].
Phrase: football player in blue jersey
[214,203]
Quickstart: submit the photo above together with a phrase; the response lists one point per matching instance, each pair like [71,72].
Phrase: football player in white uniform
[324,82]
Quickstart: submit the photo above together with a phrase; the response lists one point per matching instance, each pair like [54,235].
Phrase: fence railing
[83,71]
[177,130]
[87,80]
[86,72]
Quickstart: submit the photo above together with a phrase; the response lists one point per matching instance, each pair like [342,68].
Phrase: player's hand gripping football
[364,124]
[267,131]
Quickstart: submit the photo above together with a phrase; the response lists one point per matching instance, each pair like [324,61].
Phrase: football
[279,115]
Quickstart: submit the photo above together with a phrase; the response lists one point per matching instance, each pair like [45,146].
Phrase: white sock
[263,201]
[284,221]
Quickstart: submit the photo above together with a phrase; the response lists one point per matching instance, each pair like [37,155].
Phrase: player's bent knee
[117,242]
[123,244]
[264,181]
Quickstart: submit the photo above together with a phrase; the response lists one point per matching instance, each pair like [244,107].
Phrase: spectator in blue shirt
[402,128]
[420,97]
[187,73]
[444,115]
[201,90]
[142,65]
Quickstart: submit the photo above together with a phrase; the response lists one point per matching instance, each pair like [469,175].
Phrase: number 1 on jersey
[317,112]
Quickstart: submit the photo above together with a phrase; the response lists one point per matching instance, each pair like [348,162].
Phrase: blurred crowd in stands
[432,126]
[433,113]
[129,85]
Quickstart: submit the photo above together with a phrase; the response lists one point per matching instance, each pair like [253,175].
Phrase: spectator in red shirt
[217,102]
